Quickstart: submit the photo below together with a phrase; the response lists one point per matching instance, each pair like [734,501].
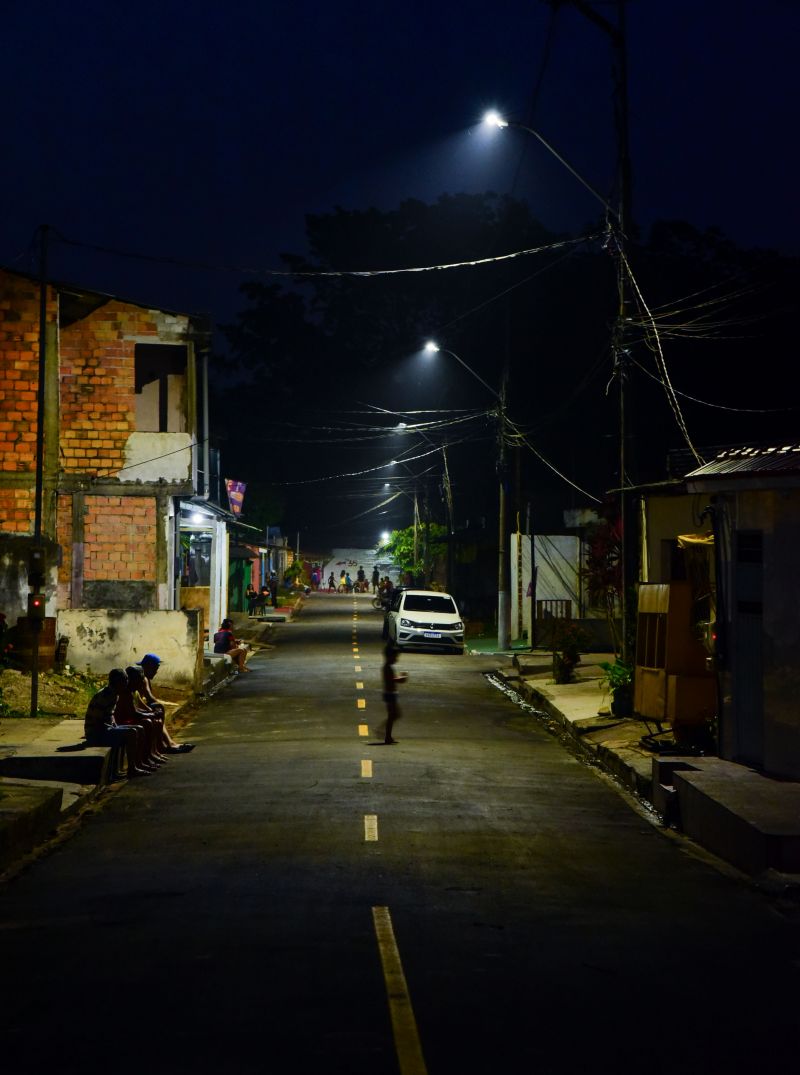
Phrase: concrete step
[29,814]
[46,759]
[73,796]
[748,819]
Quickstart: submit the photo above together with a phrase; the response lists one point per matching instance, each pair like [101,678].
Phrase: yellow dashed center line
[361,703]
[404,1025]
[371,828]
[357,668]
[366,767]
[359,685]
[363,729]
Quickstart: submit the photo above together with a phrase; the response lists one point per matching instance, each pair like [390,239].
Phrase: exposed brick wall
[120,538]
[97,414]
[16,511]
[19,374]
[98,399]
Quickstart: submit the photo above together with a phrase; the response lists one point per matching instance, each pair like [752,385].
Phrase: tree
[400,547]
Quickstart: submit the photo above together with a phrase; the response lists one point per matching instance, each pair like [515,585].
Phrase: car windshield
[428,602]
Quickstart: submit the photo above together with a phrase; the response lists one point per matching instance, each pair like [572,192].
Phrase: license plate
[431,634]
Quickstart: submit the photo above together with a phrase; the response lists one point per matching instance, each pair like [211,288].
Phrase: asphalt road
[474,900]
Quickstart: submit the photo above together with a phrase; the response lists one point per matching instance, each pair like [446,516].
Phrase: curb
[612,760]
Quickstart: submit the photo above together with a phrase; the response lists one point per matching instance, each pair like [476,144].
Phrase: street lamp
[503,591]
[494,119]
[621,220]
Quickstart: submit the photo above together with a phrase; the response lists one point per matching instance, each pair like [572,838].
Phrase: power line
[319,273]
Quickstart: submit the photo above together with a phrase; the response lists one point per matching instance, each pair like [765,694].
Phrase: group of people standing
[346,584]
[126,715]
[268,595]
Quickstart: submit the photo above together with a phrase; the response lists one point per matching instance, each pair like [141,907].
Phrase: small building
[754,494]
[125,455]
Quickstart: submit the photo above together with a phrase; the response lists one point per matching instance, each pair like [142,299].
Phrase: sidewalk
[48,775]
[750,820]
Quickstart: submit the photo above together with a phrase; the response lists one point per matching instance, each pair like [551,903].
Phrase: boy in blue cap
[149,665]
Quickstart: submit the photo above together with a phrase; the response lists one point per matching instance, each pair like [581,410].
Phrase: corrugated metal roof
[747,461]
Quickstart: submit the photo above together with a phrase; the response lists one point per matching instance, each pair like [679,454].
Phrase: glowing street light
[431,347]
[494,119]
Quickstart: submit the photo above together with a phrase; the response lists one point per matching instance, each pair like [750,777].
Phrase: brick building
[123,459]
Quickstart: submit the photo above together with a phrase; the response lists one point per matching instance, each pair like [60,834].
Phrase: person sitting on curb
[102,730]
[225,642]
[131,711]
[149,665]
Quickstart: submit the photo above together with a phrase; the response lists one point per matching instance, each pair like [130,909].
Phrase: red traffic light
[36,606]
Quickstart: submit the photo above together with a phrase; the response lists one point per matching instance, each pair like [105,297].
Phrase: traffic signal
[36,567]
[36,605]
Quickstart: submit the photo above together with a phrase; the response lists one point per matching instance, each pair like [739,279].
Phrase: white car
[424,618]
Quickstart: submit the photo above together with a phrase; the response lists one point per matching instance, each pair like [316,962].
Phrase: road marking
[366,767]
[362,703]
[371,828]
[357,668]
[363,729]
[359,685]
[404,1025]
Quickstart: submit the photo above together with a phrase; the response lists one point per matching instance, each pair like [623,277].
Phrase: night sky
[207,131]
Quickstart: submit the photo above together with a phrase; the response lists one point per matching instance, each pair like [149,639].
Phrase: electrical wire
[319,273]
[717,406]
[522,439]
[356,473]
[660,360]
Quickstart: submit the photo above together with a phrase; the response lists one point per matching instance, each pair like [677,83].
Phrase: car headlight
[405,623]
[458,626]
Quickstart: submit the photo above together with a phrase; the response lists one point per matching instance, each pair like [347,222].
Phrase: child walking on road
[390,681]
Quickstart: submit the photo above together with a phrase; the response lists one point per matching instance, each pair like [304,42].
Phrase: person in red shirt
[131,711]
[225,642]
[101,728]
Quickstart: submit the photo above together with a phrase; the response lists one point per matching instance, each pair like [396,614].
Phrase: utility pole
[503,595]
[617,33]
[36,560]
[448,492]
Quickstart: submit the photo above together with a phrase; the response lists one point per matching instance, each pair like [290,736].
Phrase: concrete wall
[351,559]
[152,457]
[103,639]
[777,515]
[664,518]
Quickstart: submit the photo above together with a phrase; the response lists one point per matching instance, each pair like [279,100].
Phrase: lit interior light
[198,518]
